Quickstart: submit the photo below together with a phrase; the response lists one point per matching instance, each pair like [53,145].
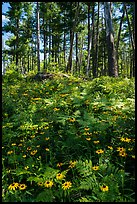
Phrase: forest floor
[68,140]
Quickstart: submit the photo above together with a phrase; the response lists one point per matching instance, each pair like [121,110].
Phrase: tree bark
[89,42]
[17,44]
[97,40]
[118,38]
[112,66]
[69,64]
[38,38]
[76,52]
[131,37]
[94,71]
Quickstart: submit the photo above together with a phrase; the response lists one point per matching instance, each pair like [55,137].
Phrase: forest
[68,102]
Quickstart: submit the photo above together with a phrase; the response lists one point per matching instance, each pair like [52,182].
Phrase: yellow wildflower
[13,186]
[66,185]
[26,167]
[13,144]
[86,129]
[72,164]
[99,151]
[22,186]
[59,164]
[95,168]
[88,138]
[123,154]
[60,176]
[48,184]
[96,141]
[110,147]
[46,138]
[121,149]
[72,119]
[33,152]
[40,184]
[10,152]
[104,188]
[56,109]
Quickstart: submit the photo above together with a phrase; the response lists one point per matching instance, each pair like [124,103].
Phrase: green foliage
[69,128]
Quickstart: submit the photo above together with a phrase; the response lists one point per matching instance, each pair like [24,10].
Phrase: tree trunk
[69,64]
[64,48]
[118,39]
[76,52]
[38,38]
[112,66]
[96,48]
[49,42]
[89,42]
[93,42]
[131,36]
[17,44]
[45,40]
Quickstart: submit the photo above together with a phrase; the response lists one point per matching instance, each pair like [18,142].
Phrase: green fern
[84,168]
[45,196]
[88,183]
[49,173]
[35,179]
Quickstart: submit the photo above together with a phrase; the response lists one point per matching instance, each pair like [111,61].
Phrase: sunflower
[72,119]
[121,149]
[48,184]
[56,109]
[59,164]
[72,164]
[88,138]
[26,167]
[122,154]
[100,151]
[86,129]
[104,188]
[13,186]
[60,176]
[110,147]
[22,186]
[28,148]
[13,144]
[33,152]
[66,185]
[95,168]
[96,141]
[10,152]
[46,138]
[40,184]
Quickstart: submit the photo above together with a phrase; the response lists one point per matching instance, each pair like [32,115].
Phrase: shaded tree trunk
[64,48]
[94,71]
[38,38]
[17,44]
[45,42]
[76,52]
[69,64]
[96,48]
[131,37]
[112,66]
[89,42]
[118,38]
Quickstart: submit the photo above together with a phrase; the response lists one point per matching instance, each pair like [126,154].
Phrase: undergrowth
[68,140]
